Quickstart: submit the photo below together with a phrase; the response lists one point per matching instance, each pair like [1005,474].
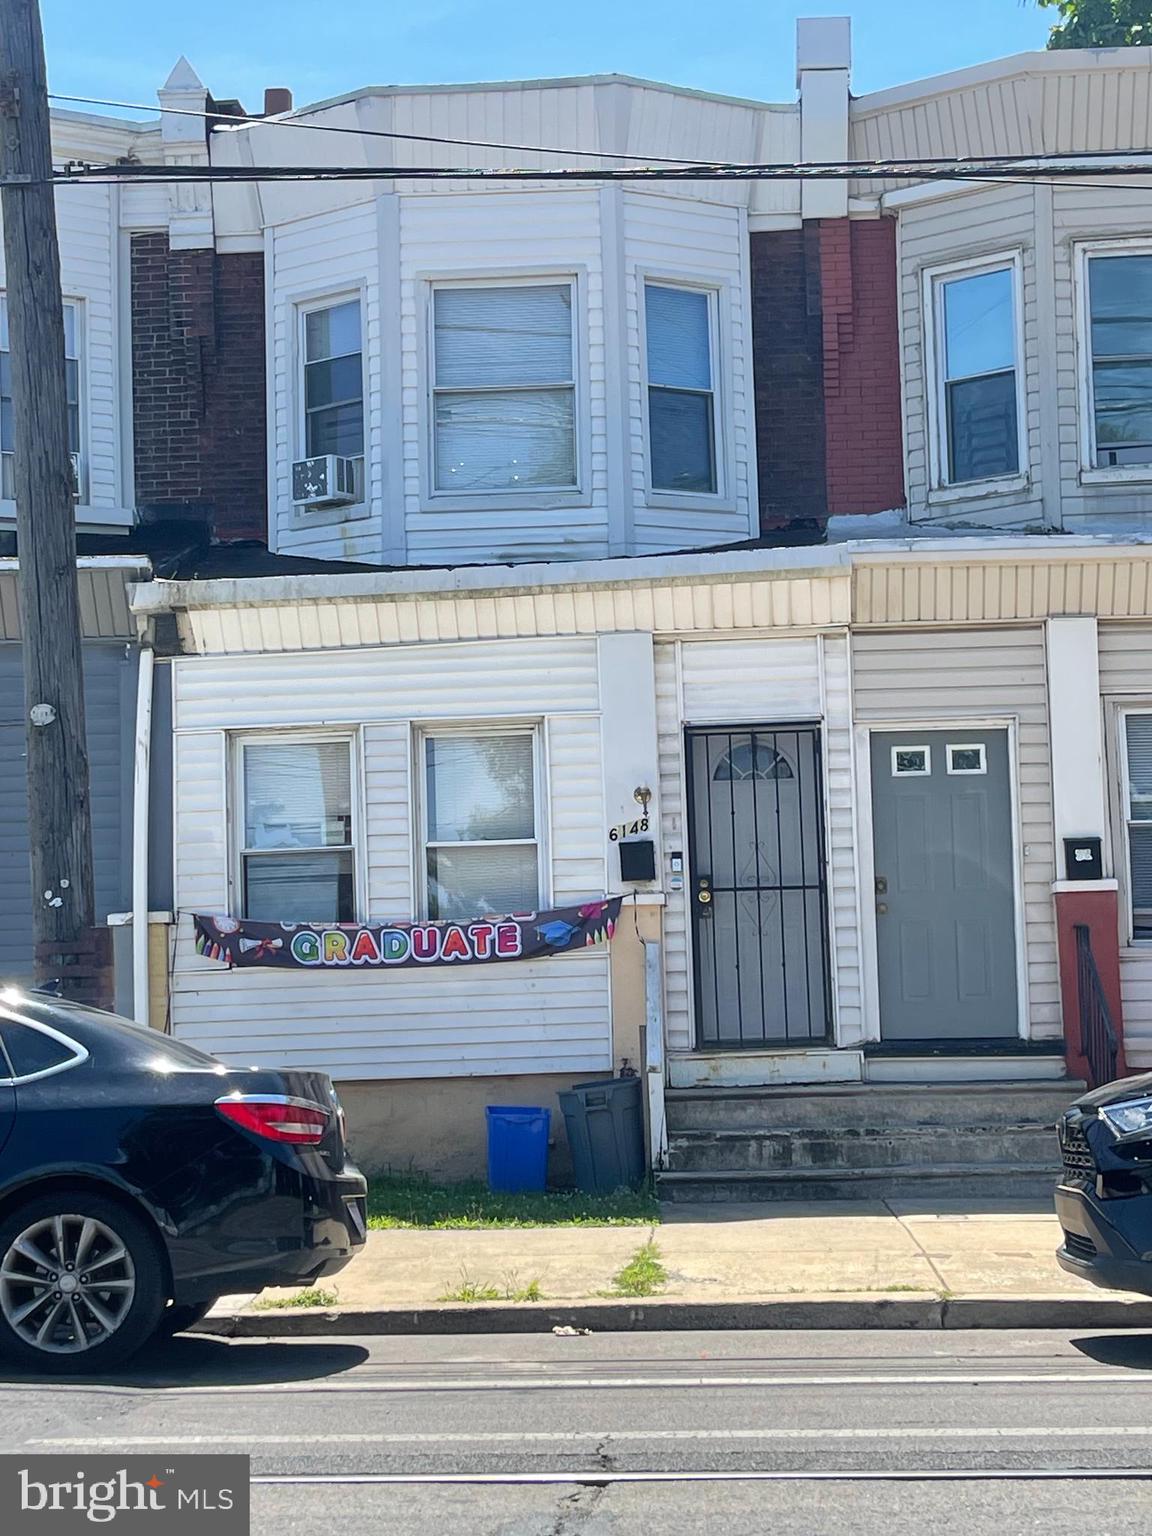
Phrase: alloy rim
[66,1284]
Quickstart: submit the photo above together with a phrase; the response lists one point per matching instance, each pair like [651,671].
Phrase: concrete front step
[826,1152]
[963,1181]
[869,1107]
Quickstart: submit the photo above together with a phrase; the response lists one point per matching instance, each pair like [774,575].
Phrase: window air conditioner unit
[74,459]
[324,481]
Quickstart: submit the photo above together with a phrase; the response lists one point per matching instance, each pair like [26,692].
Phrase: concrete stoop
[864,1142]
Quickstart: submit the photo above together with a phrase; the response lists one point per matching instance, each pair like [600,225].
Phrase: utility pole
[59,814]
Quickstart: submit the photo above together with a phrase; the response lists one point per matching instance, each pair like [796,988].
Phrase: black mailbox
[1083,859]
[638,859]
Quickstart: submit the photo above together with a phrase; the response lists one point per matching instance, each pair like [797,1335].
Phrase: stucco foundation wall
[437,1125]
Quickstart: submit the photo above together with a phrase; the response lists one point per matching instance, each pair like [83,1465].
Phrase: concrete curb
[792,1312]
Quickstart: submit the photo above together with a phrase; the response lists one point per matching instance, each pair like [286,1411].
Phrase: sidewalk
[727,1255]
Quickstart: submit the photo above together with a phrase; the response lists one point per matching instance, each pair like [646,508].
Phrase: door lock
[703,895]
[881,885]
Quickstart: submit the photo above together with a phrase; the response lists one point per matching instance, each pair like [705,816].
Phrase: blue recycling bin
[517,1148]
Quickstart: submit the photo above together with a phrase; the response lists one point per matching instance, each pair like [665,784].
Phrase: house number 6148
[627,829]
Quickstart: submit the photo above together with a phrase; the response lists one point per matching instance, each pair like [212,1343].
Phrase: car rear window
[105,1032]
[29,1051]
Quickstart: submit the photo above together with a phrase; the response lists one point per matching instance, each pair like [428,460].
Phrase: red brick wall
[198,387]
[864,452]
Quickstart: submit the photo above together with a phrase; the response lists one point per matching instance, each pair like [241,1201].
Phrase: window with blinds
[482,845]
[504,388]
[72,383]
[1120,344]
[333,383]
[975,343]
[298,861]
[681,398]
[1138,817]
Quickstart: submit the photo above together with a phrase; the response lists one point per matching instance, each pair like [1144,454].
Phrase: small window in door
[911,762]
[966,757]
[752,760]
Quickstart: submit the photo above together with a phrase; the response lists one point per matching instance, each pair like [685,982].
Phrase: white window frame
[541,808]
[579,494]
[716,292]
[303,305]
[965,746]
[935,279]
[237,741]
[1090,472]
[1126,820]
[80,325]
[912,773]
[78,1057]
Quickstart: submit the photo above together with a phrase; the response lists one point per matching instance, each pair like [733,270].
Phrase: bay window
[1137,731]
[72,381]
[481,838]
[503,387]
[974,340]
[297,853]
[678,326]
[1119,347]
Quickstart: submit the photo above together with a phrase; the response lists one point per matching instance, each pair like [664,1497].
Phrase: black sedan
[1104,1200]
[141,1179]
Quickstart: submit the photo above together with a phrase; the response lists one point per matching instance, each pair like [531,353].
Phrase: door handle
[881,907]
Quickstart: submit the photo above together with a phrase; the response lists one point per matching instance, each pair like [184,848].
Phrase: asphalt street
[677,1432]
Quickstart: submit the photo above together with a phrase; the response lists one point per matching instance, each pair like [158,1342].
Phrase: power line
[373,133]
[1027,169]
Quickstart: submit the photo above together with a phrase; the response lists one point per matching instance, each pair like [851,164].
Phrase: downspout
[654,1054]
[141,783]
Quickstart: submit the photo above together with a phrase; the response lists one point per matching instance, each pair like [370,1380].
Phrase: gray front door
[945,902]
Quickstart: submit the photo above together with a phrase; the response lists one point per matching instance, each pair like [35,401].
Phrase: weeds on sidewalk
[315,1296]
[408,1200]
[643,1275]
[482,1290]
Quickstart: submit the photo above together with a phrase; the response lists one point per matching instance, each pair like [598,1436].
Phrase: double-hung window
[482,843]
[333,364]
[977,391]
[678,326]
[1137,730]
[1119,302]
[72,377]
[297,855]
[504,387]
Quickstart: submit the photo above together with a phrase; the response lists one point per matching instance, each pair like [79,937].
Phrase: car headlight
[1131,1119]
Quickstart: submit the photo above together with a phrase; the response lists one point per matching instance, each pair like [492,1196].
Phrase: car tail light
[276,1117]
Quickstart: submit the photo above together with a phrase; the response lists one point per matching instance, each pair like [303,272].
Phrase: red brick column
[1096,906]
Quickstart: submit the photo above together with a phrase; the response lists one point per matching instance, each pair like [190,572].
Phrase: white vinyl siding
[758,682]
[548,1015]
[988,674]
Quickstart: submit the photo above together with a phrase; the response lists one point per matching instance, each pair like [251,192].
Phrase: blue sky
[125,48]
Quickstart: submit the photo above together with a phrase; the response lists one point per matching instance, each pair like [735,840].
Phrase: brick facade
[198,388]
[864,452]
[788,362]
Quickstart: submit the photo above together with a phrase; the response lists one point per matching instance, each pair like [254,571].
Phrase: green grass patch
[315,1296]
[469,1290]
[408,1200]
[643,1275]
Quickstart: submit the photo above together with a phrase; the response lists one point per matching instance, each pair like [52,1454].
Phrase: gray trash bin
[605,1122]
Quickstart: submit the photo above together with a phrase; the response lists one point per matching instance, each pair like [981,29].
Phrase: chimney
[823,63]
[277,99]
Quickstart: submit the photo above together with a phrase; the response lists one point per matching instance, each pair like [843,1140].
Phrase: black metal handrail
[1098,1040]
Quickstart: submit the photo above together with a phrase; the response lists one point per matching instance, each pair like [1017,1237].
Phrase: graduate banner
[396,946]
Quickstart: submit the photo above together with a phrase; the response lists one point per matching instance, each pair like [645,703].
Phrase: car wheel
[81,1283]
[179,1318]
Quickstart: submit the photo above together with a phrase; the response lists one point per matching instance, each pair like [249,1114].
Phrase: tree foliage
[1100,23]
